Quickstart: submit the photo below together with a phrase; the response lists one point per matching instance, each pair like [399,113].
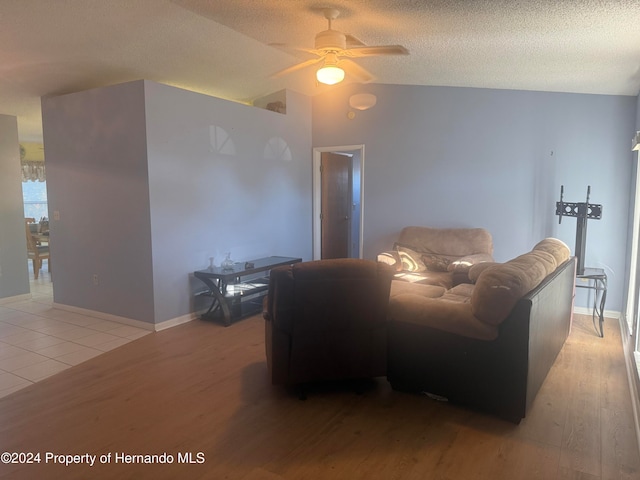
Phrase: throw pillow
[411,260]
[435,263]
[391,258]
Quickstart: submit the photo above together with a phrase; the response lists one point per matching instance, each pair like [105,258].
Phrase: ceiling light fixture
[330,73]
[362,101]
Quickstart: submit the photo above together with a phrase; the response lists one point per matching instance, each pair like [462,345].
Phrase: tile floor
[37,341]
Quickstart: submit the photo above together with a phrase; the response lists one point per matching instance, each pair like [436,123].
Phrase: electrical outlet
[95,279]
[56,215]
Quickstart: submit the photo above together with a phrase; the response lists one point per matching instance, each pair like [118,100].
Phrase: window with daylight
[34,196]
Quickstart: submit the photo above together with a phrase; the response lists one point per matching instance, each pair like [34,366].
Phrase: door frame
[631,313]
[317,194]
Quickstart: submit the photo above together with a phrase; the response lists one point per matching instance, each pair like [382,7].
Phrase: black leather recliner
[327,320]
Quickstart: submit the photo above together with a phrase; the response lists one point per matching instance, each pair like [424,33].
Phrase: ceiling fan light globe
[330,75]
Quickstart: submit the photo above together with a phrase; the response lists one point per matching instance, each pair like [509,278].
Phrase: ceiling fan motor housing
[331,40]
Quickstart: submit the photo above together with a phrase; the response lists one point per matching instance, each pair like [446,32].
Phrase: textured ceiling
[230,48]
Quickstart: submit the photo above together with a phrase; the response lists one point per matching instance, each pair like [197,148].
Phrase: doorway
[338,201]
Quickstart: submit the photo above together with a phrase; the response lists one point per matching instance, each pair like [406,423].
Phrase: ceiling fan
[335,49]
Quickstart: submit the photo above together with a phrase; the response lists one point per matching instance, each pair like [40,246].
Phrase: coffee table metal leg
[603,299]
[218,301]
[599,300]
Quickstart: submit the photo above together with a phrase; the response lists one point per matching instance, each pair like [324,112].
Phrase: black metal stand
[583,212]
[596,278]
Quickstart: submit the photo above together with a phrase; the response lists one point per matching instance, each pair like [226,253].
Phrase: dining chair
[36,252]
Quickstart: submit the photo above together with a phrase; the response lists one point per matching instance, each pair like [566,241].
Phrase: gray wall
[223,177]
[97,180]
[462,157]
[14,278]
[150,181]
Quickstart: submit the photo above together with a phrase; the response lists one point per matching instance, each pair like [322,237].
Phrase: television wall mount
[583,211]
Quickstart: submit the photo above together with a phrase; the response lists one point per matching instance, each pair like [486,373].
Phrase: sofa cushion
[463,264]
[451,242]
[460,293]
[431,291]
[438,256]
[436,263]
[450,316]
[440,279]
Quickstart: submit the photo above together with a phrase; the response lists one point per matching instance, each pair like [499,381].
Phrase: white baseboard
[15,298]
[589,311]
[153,327]
[105,316]
[174,322]
[632,372]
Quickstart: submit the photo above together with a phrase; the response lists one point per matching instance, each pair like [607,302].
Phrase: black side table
[596,281]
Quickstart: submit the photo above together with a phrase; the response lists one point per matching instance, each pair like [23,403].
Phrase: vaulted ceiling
[231,48]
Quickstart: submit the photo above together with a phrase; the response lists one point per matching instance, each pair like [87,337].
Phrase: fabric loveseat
[487,344]
[438,256]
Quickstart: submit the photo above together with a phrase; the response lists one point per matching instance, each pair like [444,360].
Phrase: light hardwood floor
[201,387]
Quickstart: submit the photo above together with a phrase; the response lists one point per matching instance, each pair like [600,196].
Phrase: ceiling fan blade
[375,51]
[312,51]
[291,50]
[297,67]
[355,70]
[353,41]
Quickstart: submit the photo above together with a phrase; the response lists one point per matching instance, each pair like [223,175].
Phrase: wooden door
[335,173]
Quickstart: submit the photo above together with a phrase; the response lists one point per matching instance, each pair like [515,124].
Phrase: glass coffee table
[238,291]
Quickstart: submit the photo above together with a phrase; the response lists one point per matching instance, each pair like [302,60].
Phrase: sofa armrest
[477,269]
[265,309]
